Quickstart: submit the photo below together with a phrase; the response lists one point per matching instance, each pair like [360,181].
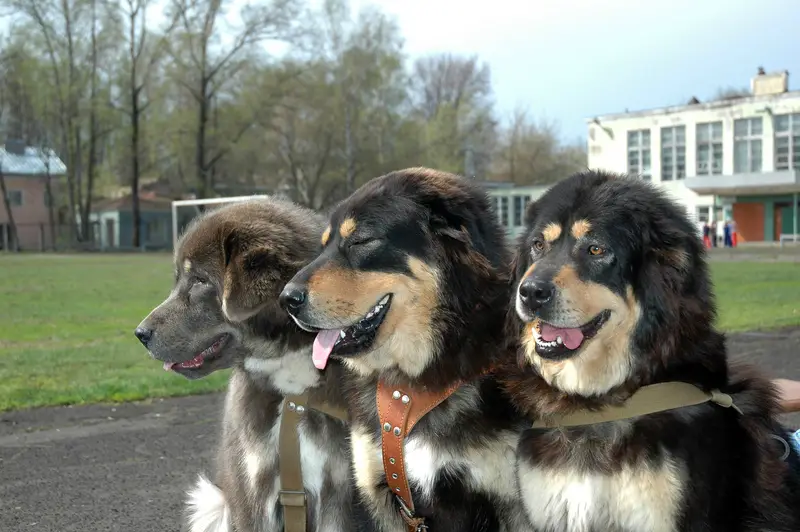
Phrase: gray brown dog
[223,311]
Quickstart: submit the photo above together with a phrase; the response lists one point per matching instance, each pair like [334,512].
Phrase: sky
[568,60]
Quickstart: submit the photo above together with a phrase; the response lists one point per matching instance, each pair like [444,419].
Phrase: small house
[29,173]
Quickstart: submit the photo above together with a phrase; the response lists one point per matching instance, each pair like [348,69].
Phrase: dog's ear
[256,269]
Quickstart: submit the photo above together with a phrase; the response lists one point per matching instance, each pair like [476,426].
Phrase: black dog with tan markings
[409,292]
[223,311]
[628,379]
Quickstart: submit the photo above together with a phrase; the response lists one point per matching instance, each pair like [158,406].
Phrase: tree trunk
[13,240]
[349,144]
[85,227]
[137,222]
[203,175]
[50,205]
[79,179]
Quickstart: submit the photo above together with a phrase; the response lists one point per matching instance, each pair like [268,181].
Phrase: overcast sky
[572,59]
[568,60]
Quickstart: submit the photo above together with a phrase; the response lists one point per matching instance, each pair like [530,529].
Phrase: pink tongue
[323,345]
[572,338]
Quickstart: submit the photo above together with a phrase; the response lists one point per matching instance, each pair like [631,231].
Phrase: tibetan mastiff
[230,266]
[612,299]
[409,292]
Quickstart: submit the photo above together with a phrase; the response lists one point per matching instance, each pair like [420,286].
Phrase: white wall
[611,154]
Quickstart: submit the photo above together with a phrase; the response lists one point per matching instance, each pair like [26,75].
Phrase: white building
[735,158]
[509,202]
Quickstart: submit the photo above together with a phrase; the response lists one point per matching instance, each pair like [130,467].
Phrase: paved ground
[126,468]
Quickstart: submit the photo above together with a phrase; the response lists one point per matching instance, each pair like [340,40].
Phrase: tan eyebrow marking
[580,228]
[347,227]
[551,232]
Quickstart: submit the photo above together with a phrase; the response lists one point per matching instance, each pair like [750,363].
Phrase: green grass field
[66,324]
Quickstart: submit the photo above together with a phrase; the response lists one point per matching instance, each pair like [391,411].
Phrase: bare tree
[530,152]
[204,67]
[6,201]
[453,94]
[143,53]
[56,21]
[450,80]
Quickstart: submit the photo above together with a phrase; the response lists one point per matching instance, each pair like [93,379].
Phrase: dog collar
[293,494]
[646,400]
[399,410]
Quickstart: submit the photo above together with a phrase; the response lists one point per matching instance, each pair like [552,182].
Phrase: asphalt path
[127,467]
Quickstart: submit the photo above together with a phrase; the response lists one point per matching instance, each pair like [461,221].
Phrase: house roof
[146,203]
[34,162]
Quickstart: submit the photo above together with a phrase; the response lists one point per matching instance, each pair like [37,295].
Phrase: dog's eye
[537,245]
[596,250]
[362,242]
[197,280]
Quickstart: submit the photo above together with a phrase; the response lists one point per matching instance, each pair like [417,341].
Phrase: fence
[107,235]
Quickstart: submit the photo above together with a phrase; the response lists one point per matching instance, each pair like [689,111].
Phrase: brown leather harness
[399,409]
[293,494]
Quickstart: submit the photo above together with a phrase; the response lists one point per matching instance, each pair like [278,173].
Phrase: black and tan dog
[230,267]
[612,301]
[409,292]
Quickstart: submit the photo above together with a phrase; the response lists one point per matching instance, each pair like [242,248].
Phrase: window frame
[672,150]
[641,148]
[748,139]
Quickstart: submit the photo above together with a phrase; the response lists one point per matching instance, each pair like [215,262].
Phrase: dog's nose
[144,335]
[292,297]
[534,293]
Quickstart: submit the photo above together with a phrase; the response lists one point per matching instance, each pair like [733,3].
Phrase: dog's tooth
[384,300]
[559,341]
[342,334]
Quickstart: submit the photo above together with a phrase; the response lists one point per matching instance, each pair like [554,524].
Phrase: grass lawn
[66,323]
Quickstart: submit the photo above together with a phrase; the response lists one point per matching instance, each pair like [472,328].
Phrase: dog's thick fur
[598,243]
[230,267]
[429,239]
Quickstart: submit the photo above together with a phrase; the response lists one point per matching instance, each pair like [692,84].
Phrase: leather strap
[646,400]
[293,494]
[399,409]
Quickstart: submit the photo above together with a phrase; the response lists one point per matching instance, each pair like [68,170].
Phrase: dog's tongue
[572,338]
[323,345]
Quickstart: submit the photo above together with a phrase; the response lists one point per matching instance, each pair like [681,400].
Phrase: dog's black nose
[292,297]
[144,335]
[534,293]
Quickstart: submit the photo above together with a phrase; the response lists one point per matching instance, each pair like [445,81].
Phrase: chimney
[763,84]
[15,147]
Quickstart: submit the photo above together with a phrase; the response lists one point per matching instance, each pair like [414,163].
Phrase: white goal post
[207,201]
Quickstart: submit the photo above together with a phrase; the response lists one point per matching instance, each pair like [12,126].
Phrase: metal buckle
[293,497]
[403,508]
[409,516]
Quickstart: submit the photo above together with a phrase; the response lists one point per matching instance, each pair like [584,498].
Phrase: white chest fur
[635,499]
[489,467]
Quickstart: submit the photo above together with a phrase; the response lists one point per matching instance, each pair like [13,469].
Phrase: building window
[520,203]
[787,142]
[503,211]
[639,153]
[709,148]
[747,145]
[14,198]
[673,153]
